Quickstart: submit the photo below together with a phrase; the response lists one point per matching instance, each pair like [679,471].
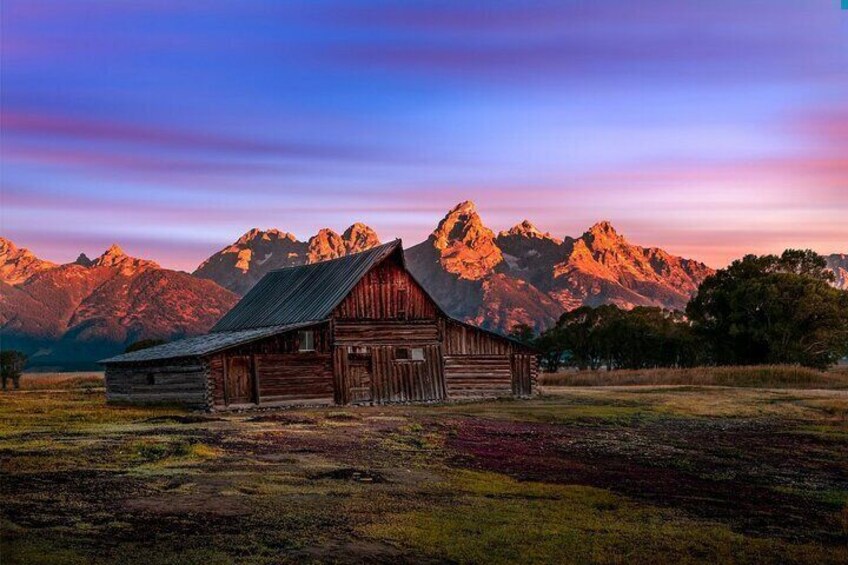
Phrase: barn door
[521,380]
[239,381]
[359,373]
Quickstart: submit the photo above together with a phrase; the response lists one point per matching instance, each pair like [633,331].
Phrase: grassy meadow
[763,376]
[625,474]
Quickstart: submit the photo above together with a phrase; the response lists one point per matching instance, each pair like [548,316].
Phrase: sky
[711,129]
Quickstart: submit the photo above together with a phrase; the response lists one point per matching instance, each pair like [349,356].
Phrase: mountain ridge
[94,307]
[81,311]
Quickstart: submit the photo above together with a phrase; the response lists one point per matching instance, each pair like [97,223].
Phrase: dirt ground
[604,475]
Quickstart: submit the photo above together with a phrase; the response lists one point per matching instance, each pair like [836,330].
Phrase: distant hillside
[74,314]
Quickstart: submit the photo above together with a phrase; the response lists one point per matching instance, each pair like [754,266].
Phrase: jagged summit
[267,235]
[17,264]
[359,237]
[83,260]
[526,229]
[467,247]
[464,207]
[603,231]
[324,245]
[116,258]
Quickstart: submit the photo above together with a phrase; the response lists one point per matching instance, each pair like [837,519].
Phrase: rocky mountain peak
[255,235]
[463,224]
[527,229]
[359,237]
[603,234]
[324,245]
[83,260]
[115,258]
[17,264]
[466,245]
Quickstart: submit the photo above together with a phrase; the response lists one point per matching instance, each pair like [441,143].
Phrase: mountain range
[69,315]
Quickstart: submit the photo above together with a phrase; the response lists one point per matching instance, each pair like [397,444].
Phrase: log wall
[480,364]
[478,375]
[411,333]
[282,373]
[172,381]
[304,377]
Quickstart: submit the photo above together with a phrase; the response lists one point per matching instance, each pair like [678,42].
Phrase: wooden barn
[354,330]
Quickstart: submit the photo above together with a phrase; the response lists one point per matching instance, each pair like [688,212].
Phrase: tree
[608,336]
[770,309]
[11,365]
[523,333]
[143,344]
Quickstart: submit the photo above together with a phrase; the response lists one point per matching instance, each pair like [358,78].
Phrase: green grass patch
[765,376]
[498,520]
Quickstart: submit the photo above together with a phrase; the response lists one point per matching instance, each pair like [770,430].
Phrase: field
[580,474]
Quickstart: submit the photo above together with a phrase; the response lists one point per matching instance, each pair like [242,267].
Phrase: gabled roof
[200,345]
[306,293]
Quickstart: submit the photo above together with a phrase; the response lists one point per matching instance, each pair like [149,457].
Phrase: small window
[151,379]
[409,354]
[306,340]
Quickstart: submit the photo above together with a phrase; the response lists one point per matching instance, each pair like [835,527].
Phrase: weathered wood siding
[412,333]
[181,381]
[282,373]
[524,369]
[387,292]
[480,364]
[478,375]
[460,339]
[294,377]
[391,379]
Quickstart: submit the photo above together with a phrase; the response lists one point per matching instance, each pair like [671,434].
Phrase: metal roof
[200,345]
[306,293]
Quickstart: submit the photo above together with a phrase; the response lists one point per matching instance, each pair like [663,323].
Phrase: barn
[355,330]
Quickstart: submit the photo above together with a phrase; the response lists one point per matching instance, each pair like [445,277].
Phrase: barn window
[409,354]
[358,353]
[151,379]
[306,340]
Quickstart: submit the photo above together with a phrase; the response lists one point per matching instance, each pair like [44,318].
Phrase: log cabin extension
[353,330]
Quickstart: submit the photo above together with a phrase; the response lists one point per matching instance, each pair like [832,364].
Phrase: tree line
[760,310]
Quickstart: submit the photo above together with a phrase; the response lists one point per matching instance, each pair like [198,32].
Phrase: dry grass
[766,376]
[56,381]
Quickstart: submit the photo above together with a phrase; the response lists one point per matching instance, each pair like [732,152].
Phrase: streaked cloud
[708,128]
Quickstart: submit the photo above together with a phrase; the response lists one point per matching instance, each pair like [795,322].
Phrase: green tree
[770,309]
[11,365]
[523,333]
[607,336]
